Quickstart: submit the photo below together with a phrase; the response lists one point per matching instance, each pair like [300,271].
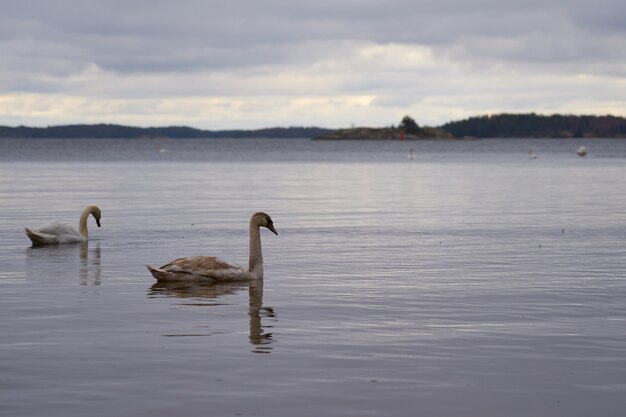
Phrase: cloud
[223,64]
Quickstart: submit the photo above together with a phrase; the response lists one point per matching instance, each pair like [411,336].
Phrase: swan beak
[271,227]
[98,222]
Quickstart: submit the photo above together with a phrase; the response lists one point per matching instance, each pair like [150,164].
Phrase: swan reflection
[90,264]
[64,261]
[208,295]
[260,339]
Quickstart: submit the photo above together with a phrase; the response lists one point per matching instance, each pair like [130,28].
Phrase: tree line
[113,131]
[534,125]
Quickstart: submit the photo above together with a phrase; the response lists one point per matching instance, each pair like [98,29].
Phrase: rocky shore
[386,133]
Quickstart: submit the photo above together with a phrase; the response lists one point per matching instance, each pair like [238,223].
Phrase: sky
[265,63]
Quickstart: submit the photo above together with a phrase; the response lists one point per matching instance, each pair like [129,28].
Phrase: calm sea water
[471,281]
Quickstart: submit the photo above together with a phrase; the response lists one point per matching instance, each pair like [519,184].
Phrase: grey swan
[212,269]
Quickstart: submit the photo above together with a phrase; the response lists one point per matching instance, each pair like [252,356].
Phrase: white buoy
[581,151]
[411,154]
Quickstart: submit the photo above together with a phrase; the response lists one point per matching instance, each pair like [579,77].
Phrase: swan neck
[256,255]
[82,223]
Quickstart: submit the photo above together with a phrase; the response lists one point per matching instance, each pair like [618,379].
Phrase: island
[408,129]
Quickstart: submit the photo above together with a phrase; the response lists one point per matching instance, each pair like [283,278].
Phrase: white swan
[211,269]
[56,233]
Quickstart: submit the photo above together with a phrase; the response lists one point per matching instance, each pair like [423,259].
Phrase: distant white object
[164,150]
[582,151]
[532,154]
[411,154]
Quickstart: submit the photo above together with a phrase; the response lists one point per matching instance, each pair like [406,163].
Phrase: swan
[211,269]
[56,233]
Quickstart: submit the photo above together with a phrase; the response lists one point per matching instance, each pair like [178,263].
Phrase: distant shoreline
[502,126]
[113,131]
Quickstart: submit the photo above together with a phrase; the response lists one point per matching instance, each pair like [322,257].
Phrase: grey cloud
[156,49]
[155,36]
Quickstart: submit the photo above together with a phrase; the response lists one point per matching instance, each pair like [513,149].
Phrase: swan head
[96,213]
[261,219]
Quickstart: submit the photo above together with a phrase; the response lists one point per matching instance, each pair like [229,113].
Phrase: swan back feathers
[199,268]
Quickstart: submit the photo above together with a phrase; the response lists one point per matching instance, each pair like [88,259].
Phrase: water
[469,281]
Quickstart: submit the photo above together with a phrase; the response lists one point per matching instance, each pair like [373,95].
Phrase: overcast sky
[261,63]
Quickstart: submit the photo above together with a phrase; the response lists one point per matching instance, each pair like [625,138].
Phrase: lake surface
[470,281]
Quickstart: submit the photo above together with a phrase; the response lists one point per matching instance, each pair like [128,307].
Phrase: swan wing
[207,268]
[38,238]
[56,233]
